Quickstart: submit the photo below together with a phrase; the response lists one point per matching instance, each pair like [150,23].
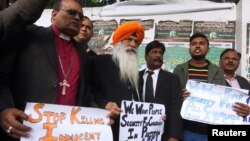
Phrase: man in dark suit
[48,68]
[116,76]
[229,63]
[166,90]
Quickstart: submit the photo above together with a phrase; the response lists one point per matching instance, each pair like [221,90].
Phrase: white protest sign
[141,121]
[209,103]
[57,122]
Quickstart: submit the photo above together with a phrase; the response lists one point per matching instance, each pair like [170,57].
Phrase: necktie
[149,91]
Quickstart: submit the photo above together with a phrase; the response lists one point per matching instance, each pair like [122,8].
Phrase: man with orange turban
[115,77]
[127,29]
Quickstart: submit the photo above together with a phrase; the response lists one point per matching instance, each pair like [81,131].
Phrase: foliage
[84,3]
[51,3]
[98,3]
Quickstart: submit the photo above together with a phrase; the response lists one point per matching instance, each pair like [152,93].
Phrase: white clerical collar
[64,36]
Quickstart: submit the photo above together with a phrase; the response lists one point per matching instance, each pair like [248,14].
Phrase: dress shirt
[154,77]
[233,81]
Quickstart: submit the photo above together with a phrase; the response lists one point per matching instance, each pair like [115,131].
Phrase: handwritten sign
[141,121]
[209,103]
[57,122]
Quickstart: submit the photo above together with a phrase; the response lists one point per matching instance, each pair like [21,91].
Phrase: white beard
[126,59]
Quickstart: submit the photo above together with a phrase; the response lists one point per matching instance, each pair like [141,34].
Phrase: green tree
[51,3]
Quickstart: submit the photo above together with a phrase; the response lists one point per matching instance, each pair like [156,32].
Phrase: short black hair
[57,5]
[229,49]
[197,35]
[154,44]
[86,17]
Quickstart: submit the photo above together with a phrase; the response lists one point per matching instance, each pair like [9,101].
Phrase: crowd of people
[55,65]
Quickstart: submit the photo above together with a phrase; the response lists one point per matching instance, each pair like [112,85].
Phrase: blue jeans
[191,136]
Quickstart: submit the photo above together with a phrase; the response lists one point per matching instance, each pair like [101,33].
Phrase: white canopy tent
[160,7]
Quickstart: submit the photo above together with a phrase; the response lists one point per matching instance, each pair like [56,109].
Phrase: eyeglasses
[73,13]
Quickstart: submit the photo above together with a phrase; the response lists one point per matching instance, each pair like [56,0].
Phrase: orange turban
[127,29]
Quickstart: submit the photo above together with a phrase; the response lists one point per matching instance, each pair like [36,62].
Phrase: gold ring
[9,129]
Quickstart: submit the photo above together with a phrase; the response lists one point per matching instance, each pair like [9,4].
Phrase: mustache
[158,59]
[130,50]
[230,64]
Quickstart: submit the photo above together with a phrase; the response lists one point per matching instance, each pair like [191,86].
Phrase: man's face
[68,18]
[230,61]
[198,48]
[131,41]
[154,58]
[86,31]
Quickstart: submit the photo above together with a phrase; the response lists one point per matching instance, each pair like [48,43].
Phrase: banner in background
[173,32]
[103,31]
[175,36]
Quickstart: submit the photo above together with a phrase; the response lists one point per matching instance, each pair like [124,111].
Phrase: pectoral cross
[64,84]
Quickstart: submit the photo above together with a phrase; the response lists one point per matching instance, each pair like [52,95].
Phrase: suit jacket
[108,87]
[34,71]
[22,11]
[215,74]
[244,84]
[168,93]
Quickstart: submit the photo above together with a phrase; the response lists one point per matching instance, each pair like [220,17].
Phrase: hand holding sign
[10,122]
[185,94]
[114,109]
[213,104]
[241,109]
[59,122]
